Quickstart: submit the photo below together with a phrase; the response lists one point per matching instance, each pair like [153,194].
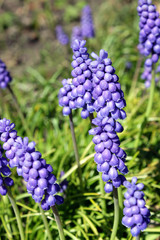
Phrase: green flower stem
[148,109]
[58,221]
[138,237]
[120,199]
[116,213]
[16,211]
[45,222]
[103,201]
[75,149]
[150,102]
[24,122]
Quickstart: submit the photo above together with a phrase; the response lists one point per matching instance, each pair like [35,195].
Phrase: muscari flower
[41,182]
[109,101]
[149,36]
[77,92]
[76,34]
[136,214]
[87,22]
[61,35]
[5,77]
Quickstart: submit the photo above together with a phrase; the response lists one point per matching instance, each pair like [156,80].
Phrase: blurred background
[28,36]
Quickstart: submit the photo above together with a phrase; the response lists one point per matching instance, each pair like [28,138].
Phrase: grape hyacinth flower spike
[87,22]
[136,214]
[109,104]
[61,35]
[149,36]
[30,165]
[77,92]
[40,181]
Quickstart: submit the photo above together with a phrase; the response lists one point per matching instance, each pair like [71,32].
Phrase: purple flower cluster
[149,36]
[109,101]
[5,172]
[136,214]
[5,77]
[61,35]
[38,175]
[76,34]
[87,22]
[77,92]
